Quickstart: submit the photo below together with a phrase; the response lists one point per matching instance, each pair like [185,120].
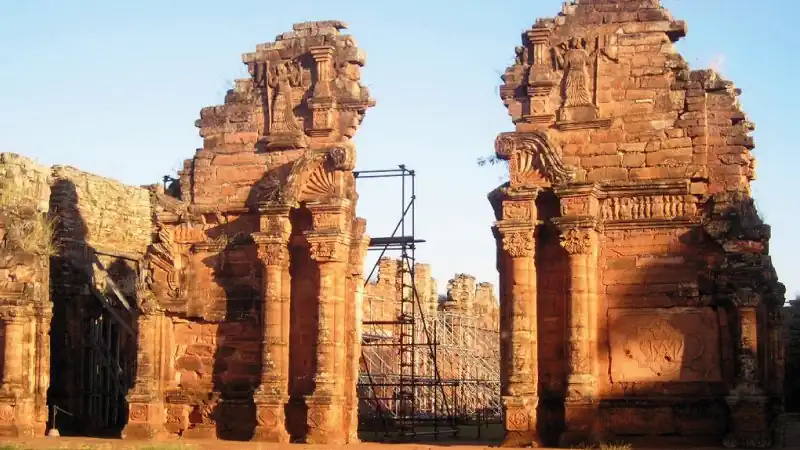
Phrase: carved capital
[273,254]
[518,243]
[327,250]
[578,241]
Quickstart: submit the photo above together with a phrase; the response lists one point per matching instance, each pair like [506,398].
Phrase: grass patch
[606,446]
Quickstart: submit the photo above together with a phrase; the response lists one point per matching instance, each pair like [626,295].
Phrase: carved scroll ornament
[533,158]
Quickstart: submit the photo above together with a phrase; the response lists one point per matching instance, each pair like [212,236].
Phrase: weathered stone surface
[650,265]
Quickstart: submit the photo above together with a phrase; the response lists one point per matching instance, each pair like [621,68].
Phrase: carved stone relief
[664,345]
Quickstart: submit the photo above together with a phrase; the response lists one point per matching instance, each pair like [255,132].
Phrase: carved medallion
[517,420]
[138,413]
[663,349]
[267,417]
[519,244]
[577,241]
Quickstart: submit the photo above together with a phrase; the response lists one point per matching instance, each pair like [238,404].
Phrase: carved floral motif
[519,244]
[577,241]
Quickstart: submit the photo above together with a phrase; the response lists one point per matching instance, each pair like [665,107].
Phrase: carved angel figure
[574,60]
[282,79]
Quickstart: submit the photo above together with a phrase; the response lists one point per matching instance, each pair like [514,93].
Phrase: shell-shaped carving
[320,183]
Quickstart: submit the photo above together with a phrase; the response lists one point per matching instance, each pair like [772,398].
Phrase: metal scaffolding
[427,371]
[390,381]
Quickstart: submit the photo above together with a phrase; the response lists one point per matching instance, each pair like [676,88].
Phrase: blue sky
[114,87]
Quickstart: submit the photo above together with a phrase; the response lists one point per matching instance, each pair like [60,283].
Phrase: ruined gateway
[638,298]
[628,247]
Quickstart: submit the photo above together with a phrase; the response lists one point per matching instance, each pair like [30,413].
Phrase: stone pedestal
[145,418]
[146,408]
[325,420]
[270,419]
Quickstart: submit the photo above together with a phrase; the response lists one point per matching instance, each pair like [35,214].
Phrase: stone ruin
[252,284]
[638,298]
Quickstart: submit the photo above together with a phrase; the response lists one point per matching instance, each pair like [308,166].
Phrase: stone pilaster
[330,243]
[518,306]
[273,390]
[749,406]
[146,400]
[16,396]
[580,242]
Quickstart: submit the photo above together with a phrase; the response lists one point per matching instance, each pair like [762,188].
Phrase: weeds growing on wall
[26,229]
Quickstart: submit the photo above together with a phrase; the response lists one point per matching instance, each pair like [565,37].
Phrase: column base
[580,425]
[325,421]
[145,421]
[143,432]
[520,422]
[750,422]
[271,420]
[17,415]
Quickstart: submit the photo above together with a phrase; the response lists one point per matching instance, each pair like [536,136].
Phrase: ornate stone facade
[638,299]
[250,301]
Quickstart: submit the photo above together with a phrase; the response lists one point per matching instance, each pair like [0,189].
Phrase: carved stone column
[580,240]
[273,390]
[146,400]
[518,310]
[329,244]
[748,403]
